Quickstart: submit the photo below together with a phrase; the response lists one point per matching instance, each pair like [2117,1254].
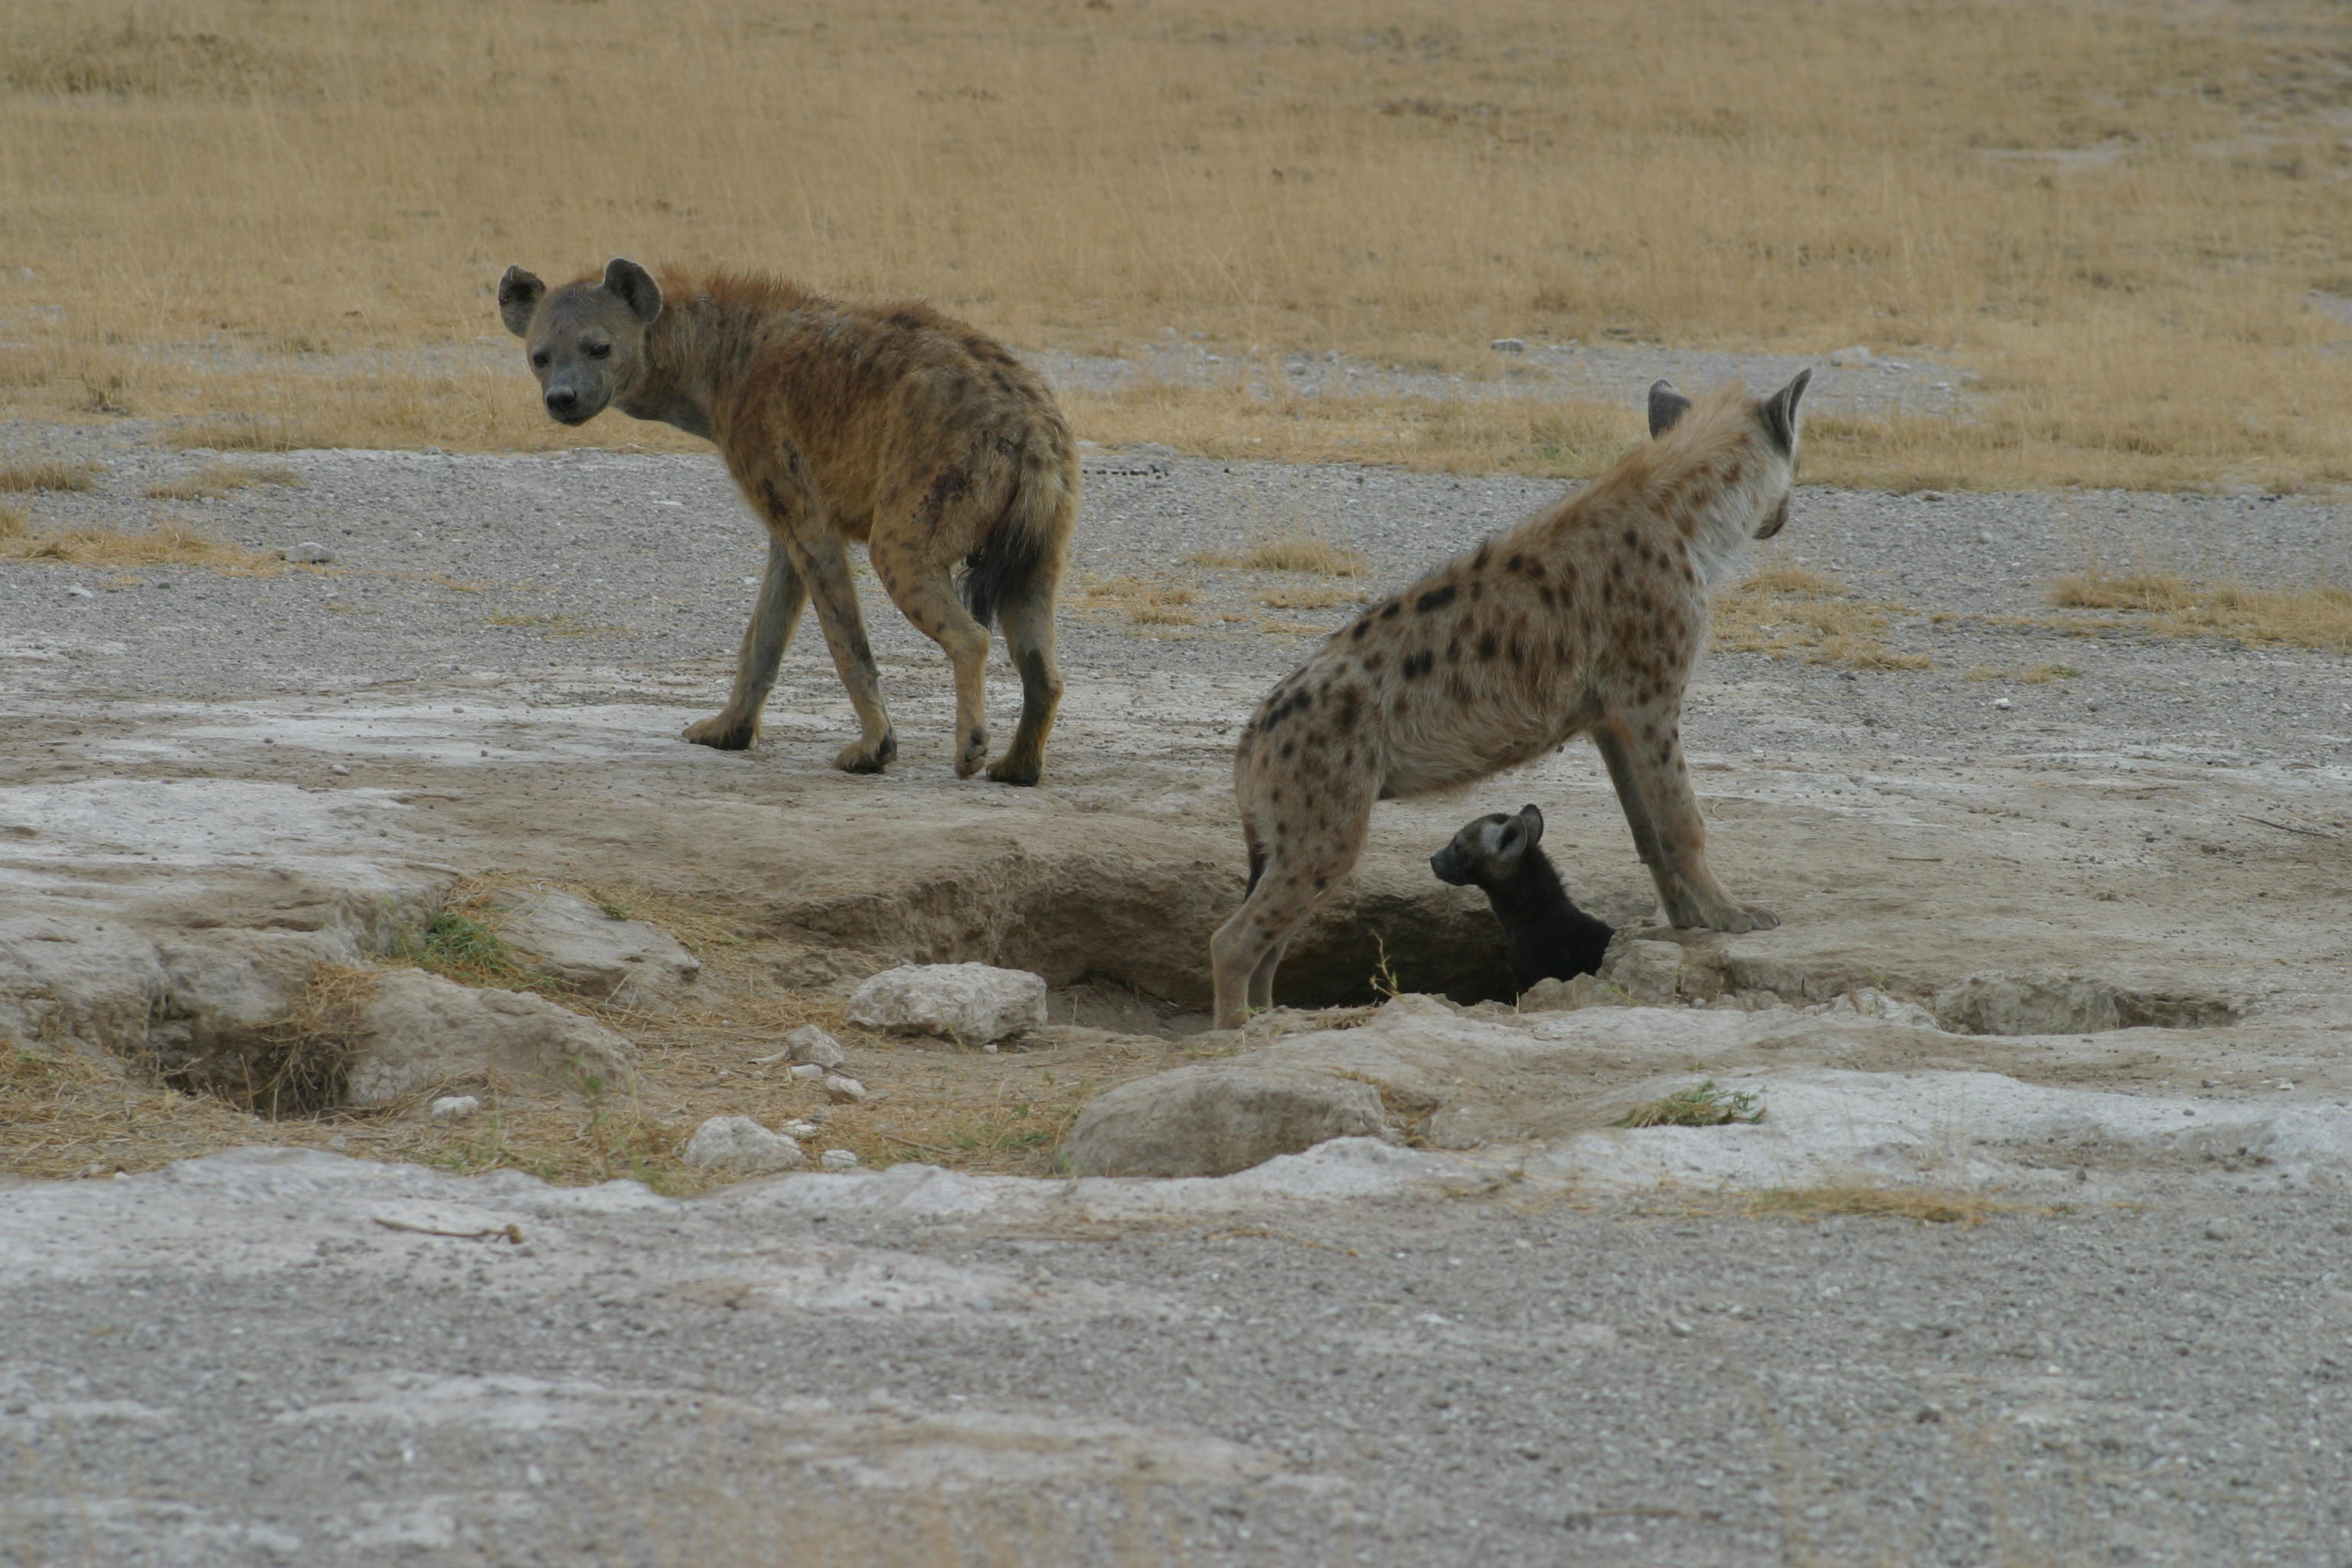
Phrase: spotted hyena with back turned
[889,424]
[1583,619]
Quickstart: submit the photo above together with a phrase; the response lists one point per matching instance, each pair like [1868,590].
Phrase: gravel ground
[244,1365]
[449,564]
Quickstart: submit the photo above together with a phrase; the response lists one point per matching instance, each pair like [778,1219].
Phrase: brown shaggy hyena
[890,423]
[1583,619]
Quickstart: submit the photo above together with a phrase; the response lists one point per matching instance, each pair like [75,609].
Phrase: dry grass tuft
[14,523]
[1703,1104]
[557,624]
[170,543]
[1142,601]
[1306,598]
[1921,1207]
[1789,610]
[49,476]
[2317,617]
[217,479]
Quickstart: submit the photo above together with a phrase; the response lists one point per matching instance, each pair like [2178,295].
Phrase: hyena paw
[726,733]
[858,757]
[1744,917]
[973,753]
[1015,769]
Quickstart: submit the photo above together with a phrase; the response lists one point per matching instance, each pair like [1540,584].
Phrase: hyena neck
[701,344]
[1532,894]
[1724,527]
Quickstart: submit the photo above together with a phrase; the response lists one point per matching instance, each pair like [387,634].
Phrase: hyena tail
[1025,550]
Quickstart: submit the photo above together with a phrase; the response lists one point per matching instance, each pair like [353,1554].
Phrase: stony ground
[1406,1357]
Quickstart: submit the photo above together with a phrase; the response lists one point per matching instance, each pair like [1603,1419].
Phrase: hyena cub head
[1749,445]
[1489,851]
[586,340]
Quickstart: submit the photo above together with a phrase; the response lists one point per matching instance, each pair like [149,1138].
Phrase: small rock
[2002,703]
[1508,345]
[337,768]
[78,592]
[1853,357]
[798,1129]
[812,1045]
[310,552]
[2216,1231]
[844,1091]
[1931,495]
[740,1143]
[838,1159]
[972,1004]
[808,1070]
[1648,971]
[455,1107]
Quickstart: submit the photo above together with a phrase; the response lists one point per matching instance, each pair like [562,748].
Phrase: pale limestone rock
[740,1146]
[972,1004]
[628,961]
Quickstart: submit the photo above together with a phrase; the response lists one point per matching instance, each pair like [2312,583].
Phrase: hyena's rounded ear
[1533,819]
[634,287]
[1778,412]
[1666,408]
[519,295]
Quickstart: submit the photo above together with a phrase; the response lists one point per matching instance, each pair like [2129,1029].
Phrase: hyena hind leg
[1027,617]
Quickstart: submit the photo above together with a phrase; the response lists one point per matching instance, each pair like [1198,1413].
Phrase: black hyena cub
[1547,935]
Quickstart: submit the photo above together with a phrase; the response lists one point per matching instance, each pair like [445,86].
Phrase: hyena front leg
[1645,763]
[774,618]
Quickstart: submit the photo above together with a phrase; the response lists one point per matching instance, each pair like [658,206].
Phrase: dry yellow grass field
[283,221]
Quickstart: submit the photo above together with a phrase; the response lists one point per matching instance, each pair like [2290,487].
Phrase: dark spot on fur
[1350,709]
[1373,663]
[1477,589]
[1435,599]
[1359,628]
[1321,883]
[1454,650]
[1486,647]
[1485,549]
[1389,611]
[1417,665]
[1289,749]
[1631,538]
[1516,561]
[1551,600]
[1519,651]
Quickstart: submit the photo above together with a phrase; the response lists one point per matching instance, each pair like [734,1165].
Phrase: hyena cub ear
[634,287]
[1779,414]
[1513,836]
[519,294]
[1667,408]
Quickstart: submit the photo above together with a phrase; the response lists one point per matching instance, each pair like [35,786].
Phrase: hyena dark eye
[540,359]
[598,351]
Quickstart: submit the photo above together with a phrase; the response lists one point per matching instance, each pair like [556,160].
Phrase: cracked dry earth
[1541,1341]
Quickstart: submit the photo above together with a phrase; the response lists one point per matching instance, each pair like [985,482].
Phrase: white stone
[812,1045]
[1851,358]
[972,1004]
[844,1091]
[417,1031]
[78,592]
[838,1159]
[1508,345]
[2002,702]
[738,1144]
[310,552]
[798,1129]
[808,1070]
[621,960]
[455,1107]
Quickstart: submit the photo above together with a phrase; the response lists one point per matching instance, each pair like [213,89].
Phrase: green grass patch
[1702,1105]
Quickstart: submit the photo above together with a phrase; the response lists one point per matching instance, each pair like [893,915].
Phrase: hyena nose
[562,400]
